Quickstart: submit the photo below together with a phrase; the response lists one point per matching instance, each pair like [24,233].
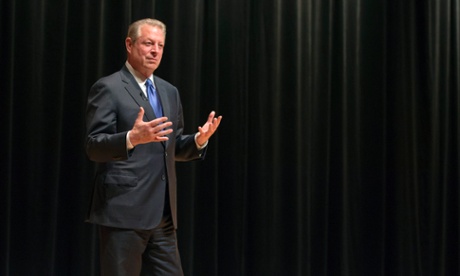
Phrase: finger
[211,116]
[163,126]
[207,131]
[216,122]
[162,135]
[161,138]
[158,121]
[164,132]
[214,125]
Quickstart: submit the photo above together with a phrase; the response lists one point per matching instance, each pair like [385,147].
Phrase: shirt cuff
[129,146]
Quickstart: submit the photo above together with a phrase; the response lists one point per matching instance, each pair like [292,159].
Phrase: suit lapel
[136,93]
[165,103]
[162,94]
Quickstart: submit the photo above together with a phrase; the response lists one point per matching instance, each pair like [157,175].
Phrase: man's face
[146,52]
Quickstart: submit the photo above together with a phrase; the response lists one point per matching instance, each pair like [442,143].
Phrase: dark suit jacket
[129,186]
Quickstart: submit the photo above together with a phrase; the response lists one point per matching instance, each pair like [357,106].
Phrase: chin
[151,66]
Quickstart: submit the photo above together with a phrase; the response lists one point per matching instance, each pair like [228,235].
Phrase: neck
[141,74]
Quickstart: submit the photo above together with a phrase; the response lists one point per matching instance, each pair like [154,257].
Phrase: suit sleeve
[104,141]
[186,148]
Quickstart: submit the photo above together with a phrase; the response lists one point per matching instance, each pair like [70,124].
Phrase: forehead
[149,31]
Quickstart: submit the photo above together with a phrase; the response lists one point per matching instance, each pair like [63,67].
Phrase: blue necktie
[153,99]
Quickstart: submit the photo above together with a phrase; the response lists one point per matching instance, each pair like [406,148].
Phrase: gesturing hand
[207,130]
[146,132]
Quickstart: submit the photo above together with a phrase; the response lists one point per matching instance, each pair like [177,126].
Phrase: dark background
[337,154]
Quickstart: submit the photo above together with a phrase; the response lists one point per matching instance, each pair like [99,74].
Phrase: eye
[147,43]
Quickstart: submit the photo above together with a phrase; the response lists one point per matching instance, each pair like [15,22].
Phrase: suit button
[163,177]
[166,154]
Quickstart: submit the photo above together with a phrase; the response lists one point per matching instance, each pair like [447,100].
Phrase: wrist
[199,141]
[131,137]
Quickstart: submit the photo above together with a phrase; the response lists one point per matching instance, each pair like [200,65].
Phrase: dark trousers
[130,252]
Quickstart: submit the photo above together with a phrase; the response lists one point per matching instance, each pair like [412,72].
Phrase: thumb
[140,115]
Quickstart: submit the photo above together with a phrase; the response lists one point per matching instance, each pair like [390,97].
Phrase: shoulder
[159,82]
[112,82]
[115,78]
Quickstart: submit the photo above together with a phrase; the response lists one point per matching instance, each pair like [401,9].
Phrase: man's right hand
[147,132]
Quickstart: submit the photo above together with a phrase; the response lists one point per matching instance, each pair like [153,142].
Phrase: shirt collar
[138,76]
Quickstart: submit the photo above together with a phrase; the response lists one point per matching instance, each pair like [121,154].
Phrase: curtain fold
[338,153]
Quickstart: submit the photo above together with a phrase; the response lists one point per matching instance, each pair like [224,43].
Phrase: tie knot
[148,83]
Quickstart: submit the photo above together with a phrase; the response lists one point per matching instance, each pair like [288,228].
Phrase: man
[134,133]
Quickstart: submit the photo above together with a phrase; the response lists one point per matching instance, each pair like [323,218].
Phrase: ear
[128,44]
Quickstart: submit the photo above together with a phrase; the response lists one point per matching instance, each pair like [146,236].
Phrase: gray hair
[134,28]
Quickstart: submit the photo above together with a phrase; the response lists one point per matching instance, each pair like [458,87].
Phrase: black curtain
[338,153]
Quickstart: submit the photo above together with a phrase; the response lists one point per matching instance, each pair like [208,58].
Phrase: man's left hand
[207,130]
